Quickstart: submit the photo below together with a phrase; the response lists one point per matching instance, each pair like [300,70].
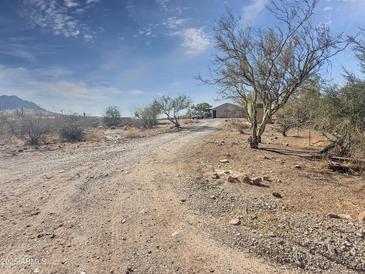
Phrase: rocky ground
[277,204]
[169,204]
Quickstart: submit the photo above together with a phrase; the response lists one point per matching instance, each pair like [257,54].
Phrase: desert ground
[178,202]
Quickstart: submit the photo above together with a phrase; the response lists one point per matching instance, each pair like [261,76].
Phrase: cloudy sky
[83,55]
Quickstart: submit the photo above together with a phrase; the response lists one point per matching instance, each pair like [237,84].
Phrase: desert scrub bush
[133,133]
[35,129]
[341,118]
[112,116]
[70,130]
[30,128]
[148,115]
[301,108]
[238,125]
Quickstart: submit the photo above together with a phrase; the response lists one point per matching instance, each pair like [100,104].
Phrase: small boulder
[232,179]
[339,216]
[298,166]
[215,176]
[277,195]
[255,181]
[246,179]
[235,221]
[224,161]
[361,217]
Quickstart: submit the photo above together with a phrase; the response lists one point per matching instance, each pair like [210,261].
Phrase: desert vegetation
[338,113]
[112,116]
[172,107]
[269,65]
[71,129]
[271,181]
[37,129]
[148,114]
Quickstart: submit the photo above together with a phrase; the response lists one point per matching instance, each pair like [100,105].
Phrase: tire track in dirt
[110,208]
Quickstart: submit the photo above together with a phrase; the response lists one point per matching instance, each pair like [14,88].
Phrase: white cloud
[195,40]
[19,52]
[145,31]
[54,89]
[174,22]
[71,3]
[251,11]
[163,4]
[60,18]
[327,8]
[67,89]
[135,92]
[33,83]
[167,7]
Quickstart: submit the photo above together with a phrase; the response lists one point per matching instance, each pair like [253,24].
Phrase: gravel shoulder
[114,207]
[300,214]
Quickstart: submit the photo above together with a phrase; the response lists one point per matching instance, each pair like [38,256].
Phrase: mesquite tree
[269,65]
[172,107]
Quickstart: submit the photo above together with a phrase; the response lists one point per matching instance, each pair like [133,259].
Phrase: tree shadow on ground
[302,153]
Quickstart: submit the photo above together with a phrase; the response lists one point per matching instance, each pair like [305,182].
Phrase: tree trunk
[253,140]
[261,128]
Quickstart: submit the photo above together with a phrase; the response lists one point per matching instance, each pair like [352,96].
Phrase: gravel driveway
[109,208]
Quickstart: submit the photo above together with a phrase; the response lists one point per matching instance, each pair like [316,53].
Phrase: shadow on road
[200,128]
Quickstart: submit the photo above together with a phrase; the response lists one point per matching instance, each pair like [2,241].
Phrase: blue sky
[83,55]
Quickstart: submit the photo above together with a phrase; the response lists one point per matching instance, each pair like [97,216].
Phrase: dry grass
[133,133]
[94,135]
[238,124]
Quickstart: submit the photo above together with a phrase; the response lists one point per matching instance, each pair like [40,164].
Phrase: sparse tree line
[71,128]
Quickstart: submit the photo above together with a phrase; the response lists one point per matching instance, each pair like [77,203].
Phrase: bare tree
[148,114]
[173,106]
[34,128]
[269,65]
[360,49]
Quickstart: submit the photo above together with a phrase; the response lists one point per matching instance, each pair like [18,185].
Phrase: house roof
[229,105]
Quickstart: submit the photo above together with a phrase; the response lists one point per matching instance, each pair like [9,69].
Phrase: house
[228,110]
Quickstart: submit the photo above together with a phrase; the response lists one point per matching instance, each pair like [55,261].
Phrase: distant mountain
[12,103]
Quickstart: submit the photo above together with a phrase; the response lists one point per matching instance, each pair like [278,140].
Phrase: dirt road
[110,208]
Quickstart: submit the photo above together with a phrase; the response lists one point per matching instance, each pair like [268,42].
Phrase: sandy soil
[115,207]
[312,224]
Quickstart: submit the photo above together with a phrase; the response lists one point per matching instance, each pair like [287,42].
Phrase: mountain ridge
[12,102]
